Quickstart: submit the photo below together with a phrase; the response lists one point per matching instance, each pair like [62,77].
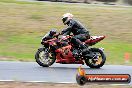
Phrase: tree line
[90,1]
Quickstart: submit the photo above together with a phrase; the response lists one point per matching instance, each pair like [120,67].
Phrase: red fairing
[94,39]
[64,55]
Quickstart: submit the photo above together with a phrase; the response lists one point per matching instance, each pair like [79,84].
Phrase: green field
[22,24]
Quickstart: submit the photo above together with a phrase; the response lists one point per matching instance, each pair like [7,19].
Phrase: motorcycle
[58,48]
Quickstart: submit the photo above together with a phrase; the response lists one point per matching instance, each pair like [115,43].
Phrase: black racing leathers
[75,27]
[79,31]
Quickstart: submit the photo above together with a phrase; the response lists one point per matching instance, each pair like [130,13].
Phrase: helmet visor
[64,19]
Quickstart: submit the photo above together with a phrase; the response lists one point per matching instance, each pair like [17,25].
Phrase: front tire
[98,63]
[44,58]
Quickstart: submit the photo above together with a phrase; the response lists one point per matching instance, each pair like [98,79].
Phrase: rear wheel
[98,61]
[45,58]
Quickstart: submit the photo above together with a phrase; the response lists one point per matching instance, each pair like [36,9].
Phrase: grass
[22,24]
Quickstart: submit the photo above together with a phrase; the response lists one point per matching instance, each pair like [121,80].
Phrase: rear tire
[103,57]
[40,62]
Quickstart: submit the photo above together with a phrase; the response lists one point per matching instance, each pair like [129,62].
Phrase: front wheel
[98,61]
[44,58]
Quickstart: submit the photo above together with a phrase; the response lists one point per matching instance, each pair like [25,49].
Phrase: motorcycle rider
[79,31]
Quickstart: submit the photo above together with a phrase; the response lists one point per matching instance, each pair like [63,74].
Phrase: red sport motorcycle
[58,49]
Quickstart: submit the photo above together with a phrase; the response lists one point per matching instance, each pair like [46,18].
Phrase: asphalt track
[58,73]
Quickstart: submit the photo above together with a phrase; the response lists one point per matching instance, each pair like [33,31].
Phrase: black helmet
[66,18]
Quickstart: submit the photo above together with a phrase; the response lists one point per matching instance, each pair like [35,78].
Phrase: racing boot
[85,51]
[76,53]
[81,48]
